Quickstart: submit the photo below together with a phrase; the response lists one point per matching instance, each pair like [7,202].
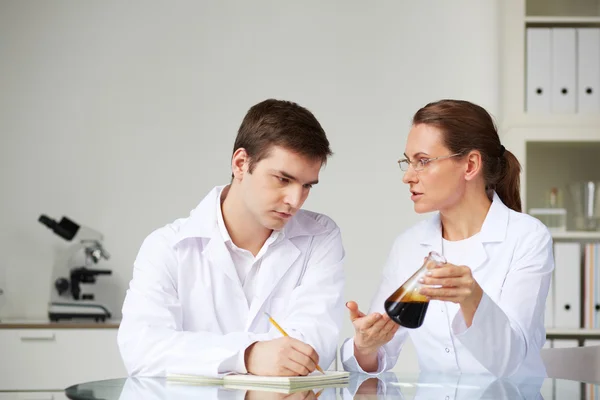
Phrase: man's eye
[308,186]
[283,180]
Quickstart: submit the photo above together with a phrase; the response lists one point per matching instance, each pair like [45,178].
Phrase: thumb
[354,311]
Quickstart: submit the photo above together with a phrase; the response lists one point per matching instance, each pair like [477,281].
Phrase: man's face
[278,186]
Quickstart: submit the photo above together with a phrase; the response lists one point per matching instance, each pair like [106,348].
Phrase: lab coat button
[447,350]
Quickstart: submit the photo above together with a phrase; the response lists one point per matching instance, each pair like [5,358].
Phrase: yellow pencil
[280,329]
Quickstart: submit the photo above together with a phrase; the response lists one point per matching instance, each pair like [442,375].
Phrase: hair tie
[502,150]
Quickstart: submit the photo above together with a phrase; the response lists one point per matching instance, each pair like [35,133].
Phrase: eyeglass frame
[423,161]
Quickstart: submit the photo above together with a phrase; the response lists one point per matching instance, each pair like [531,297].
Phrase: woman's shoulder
[415,233]
[524,225]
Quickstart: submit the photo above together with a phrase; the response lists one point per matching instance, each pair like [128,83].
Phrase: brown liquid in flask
[406,306]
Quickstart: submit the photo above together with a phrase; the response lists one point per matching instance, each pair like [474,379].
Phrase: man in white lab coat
[201,286]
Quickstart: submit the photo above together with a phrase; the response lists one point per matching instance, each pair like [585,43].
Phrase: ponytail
[508,187]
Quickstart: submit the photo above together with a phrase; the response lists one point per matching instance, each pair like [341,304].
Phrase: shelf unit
[572,333]
[516,17]
[526,134]
[576,235]
[559,21]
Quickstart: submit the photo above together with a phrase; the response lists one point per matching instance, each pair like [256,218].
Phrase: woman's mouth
[415,195]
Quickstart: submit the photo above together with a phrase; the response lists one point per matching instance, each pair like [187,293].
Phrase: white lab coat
[186,312]
[513,264]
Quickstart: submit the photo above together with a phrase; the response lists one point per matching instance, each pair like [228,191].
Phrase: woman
[486,309]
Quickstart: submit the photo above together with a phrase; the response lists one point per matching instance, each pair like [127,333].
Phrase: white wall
[122,115]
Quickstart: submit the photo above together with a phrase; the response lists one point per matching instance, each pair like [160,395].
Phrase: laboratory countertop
[47,324]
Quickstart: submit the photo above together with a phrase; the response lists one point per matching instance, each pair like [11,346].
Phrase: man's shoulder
[313,223]
[167,234]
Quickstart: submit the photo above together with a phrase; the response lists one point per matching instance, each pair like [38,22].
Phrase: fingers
[301,363]
[370,320]
[290,369]
[306,350]
[372,323]
[389,327]
[443,282]
[449,271]
[445,293]
[449,277]
[354,311]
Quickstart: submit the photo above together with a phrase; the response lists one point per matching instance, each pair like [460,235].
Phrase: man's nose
[294,196]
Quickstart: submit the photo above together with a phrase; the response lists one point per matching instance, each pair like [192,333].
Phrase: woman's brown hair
[465,127]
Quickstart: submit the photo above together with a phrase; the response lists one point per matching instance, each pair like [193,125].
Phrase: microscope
[72,275]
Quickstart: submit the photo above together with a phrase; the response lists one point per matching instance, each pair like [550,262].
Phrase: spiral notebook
[313,380]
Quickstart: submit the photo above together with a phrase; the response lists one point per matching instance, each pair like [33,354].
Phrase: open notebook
[241,381]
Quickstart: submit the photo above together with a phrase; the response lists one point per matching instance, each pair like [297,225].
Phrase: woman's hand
[370,331]
[456,284]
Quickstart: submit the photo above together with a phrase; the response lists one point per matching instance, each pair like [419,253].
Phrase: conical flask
[406,306]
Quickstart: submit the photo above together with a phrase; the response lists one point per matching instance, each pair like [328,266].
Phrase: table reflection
[360,386]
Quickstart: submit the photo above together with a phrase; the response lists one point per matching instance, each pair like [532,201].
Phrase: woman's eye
[423,161]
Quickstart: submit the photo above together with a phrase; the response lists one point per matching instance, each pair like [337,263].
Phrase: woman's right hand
[370,331]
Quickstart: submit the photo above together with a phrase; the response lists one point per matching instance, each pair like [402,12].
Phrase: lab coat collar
[494,229]
[202,222]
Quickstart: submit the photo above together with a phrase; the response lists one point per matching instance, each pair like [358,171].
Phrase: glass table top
[361,386]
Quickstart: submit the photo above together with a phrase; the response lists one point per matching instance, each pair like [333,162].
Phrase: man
[201,285]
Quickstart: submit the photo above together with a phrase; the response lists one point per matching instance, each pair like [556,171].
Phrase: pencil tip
[267,314]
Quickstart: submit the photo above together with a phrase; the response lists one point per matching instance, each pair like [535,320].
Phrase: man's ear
[474,165]
[239,163]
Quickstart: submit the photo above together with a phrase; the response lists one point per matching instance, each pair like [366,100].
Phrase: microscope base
[70,311]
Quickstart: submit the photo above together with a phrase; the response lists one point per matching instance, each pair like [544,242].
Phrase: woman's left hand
[456,285]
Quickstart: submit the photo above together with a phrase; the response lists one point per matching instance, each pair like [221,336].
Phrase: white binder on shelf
[588,70]
[564,58]
[591,288]
[567,285]
[539,62]
[549,314]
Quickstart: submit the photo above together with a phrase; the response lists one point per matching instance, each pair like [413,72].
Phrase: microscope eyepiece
[66,228]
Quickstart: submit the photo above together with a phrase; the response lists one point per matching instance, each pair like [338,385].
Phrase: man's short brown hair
[281,123]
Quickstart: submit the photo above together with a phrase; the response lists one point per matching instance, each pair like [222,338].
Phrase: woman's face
[435,184]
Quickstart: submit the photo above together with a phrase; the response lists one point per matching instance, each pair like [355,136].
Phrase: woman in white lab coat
[486,311]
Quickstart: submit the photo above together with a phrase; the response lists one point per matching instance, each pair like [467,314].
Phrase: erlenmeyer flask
[406,306]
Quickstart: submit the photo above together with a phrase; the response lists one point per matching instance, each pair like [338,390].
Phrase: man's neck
[244,230]
[466,218]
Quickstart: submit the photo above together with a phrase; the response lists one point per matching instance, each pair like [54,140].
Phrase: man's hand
[285,356]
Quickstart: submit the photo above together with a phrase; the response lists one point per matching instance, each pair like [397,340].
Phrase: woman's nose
[410,175]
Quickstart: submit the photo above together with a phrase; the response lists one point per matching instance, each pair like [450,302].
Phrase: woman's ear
[474,165]
[239,163]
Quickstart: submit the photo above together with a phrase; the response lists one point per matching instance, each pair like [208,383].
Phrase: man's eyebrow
[293,178]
